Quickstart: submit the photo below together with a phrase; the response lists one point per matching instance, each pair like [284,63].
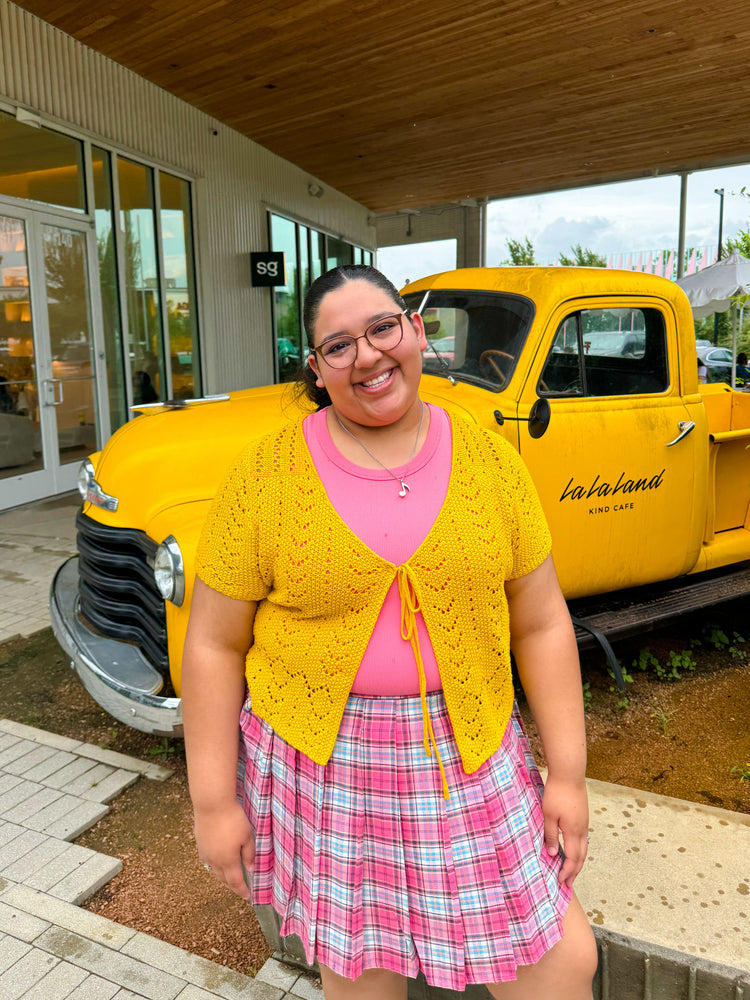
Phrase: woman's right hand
[226,845]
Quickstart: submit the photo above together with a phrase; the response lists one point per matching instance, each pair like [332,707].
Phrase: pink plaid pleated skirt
[371,867]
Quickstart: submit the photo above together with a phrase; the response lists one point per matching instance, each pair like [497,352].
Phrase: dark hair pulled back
[332,280]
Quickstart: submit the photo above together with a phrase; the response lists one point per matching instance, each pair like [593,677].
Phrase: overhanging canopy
[407,105]
[712,289]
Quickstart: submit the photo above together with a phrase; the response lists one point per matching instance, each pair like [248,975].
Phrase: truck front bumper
[116,674]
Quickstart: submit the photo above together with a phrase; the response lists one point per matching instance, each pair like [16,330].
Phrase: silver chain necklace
[405,488]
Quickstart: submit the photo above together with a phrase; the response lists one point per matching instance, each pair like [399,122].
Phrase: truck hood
[167,457]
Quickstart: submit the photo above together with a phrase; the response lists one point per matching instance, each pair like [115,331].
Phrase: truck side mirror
[538,418]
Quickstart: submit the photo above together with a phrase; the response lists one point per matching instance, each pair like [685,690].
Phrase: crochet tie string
[408,590]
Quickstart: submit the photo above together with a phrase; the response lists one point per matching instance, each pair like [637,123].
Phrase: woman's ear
[418,323]
[312,360]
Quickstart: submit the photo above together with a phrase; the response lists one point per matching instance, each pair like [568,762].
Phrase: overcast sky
[631,217]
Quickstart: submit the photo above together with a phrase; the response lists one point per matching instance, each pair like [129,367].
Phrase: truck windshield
[477,335]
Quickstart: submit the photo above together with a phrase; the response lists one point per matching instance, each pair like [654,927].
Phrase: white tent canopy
[710,290]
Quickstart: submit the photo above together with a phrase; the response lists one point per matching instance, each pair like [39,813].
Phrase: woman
[364,572]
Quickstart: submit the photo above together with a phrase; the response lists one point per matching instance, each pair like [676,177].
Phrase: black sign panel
[267,269]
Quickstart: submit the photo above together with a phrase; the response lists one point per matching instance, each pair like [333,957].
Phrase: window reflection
[110,296]
[286,300]
[44,166]
[20,441]
[317,254]
[179,285]
[66,285]
[338,252]
[145,342]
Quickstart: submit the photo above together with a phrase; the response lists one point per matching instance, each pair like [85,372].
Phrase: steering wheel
[489,366]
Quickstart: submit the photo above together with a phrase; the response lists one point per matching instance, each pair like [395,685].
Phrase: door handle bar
[54,382]
[685,427]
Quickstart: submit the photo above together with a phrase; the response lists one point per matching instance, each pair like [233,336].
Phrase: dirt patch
[162,889]
[687,737]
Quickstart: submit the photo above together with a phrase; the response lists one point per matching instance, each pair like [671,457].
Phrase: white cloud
[621,218]
[629,217]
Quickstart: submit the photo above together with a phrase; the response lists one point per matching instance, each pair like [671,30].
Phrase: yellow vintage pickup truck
[590,373]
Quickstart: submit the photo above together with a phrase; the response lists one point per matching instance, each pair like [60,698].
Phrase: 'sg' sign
[267,269]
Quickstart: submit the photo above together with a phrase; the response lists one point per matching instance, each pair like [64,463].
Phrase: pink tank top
[394,527]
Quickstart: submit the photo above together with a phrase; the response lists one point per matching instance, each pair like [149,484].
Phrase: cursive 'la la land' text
[601,488]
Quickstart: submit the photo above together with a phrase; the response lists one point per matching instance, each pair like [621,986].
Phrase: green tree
[740,242]
[704,329]
[521,254]
[582,257]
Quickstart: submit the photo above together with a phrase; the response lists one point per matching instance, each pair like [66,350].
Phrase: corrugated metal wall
[49,72]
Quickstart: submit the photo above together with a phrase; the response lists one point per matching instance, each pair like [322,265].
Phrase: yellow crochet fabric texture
[272,536]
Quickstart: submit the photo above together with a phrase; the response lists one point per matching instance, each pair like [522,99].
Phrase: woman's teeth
[377,381]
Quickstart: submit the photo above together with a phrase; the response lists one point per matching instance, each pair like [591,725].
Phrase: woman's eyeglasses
[384,334]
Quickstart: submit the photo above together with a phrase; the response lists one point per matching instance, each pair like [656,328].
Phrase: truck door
[616,469]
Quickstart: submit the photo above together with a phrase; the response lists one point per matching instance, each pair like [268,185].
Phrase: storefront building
[127,219]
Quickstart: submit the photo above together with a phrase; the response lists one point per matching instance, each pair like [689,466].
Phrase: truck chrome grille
[118,595]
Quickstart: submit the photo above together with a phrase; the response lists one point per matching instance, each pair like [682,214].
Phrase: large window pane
[607,352]
[286,312]
[304,258]
[338,252]
[179,285]
[317,254]
[111,316]
[40,165]
[136,186]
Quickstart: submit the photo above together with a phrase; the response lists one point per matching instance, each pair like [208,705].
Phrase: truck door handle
[685,427]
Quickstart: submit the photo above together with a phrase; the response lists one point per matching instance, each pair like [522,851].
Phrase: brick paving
[51,789]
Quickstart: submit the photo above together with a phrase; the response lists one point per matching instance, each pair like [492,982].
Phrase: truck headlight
[169,571]
[86,475]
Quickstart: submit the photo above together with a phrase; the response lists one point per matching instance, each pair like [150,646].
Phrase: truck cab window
[607,352]
[476,336]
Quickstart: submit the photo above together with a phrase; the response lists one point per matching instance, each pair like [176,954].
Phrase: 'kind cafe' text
[604,489]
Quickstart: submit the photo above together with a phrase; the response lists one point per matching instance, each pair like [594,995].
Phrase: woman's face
[381,386]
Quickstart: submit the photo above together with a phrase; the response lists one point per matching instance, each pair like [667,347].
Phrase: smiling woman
[359,576]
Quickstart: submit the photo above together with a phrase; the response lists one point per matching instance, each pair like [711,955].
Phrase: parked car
[718,362]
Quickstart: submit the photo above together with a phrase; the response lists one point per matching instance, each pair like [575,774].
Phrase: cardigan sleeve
[228,550]
[530,534]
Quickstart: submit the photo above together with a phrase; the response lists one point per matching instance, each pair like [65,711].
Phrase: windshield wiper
[441,360]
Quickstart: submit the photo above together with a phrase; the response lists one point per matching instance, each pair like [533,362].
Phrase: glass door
[49,397]
[70,386]
[20,424]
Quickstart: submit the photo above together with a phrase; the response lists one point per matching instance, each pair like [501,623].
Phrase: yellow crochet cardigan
[272,536]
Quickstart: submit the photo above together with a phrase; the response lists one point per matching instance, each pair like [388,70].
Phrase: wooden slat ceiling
[431,101]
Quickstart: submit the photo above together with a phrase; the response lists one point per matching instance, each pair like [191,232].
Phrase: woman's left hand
[566,814]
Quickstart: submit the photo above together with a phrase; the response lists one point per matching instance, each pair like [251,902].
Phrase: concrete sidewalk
[51,790]
[34,541]
[669,873]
